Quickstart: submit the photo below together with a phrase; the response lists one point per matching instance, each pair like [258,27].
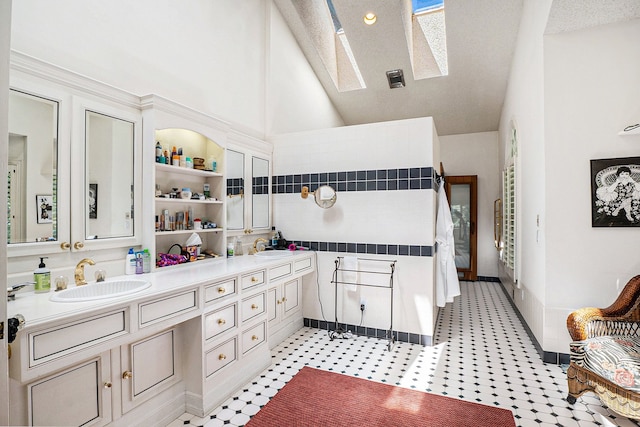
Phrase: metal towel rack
[339,331]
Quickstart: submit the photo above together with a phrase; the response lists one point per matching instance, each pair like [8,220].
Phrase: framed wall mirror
[32,158]
[109,184]
[235,190]
[260,193]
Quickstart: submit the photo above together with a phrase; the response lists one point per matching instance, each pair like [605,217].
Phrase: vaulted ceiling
[480,41]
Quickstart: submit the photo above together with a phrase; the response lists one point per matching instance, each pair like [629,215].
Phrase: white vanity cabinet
[189,342]
[147,367]
[284,298]
[248,181]
[77,396]
[284,301]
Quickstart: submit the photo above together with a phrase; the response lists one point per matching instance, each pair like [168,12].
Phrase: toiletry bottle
[139,263]
[230,250]
[130,263]
[274,239]
[146,261]
[237,248]
[42,277]
[158,151]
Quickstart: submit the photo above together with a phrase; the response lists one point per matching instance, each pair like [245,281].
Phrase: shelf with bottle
[202,230]
[190,201]
[161,167]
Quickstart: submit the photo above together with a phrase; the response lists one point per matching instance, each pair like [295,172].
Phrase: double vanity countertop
[38,309]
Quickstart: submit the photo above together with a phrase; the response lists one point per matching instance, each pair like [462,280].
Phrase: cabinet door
[291,301]
[106,176]
[148,366]
[273,304]
[248,189]
[77,396]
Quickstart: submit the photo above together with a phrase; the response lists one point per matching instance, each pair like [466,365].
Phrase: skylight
[425,5]
[334,16]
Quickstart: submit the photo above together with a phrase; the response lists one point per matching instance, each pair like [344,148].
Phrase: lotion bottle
[130,262]
[42,277]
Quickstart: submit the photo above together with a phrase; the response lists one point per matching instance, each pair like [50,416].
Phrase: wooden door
[462,193]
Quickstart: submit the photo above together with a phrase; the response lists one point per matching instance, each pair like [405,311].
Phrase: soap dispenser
[42,277]
[237,249]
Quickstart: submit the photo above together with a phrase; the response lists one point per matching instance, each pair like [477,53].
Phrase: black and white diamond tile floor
[481,353]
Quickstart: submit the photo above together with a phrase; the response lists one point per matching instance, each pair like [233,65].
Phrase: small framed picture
[615,192]
[44,209]
[93,201]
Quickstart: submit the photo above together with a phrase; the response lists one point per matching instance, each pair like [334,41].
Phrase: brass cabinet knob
[222,357]
[284,299]
[254,306]
[107,384]
[221,321]
[221,290]
[65,246]
[78,245]
[254,338]
[253,279]
[279,301]
[127,375]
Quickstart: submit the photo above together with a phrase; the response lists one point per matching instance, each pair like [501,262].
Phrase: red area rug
[320,398]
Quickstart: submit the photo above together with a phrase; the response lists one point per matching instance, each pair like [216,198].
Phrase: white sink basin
[100,290]
[274,254]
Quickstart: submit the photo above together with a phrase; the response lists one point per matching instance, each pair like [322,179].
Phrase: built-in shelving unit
[209,210]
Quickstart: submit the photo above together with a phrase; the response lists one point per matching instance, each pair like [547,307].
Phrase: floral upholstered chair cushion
[616,358]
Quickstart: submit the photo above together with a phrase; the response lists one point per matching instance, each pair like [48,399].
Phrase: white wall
[524,106]
[477,154]
[568,95]
[592,87]
[400,217]
[211,56]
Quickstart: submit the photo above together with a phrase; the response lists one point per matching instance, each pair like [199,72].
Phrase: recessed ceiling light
[370,18]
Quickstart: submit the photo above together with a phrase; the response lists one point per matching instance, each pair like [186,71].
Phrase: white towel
[350,277]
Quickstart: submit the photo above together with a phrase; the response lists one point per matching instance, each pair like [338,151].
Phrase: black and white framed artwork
[615,192]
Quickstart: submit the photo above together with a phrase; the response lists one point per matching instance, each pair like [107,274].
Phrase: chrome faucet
[79,273]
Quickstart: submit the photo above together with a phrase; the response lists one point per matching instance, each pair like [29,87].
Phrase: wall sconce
[325,196]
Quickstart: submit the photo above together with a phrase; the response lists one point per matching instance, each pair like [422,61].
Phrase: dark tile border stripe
[366,248]
[420,178]
[407,337]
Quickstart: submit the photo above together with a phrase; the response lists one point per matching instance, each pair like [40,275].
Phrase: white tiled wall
[382,217]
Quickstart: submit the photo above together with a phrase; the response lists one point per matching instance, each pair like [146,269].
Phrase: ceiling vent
[395,78]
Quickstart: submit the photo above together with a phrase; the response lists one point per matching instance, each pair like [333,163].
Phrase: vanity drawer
[165,308]
[219,321]
[302,264]
[253,306]
[219,290]
[64,339]
[253,337]
[254,279]
[220,356]
[279,272]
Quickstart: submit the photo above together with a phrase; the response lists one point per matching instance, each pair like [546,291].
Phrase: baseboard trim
[546,356]
[426,340]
